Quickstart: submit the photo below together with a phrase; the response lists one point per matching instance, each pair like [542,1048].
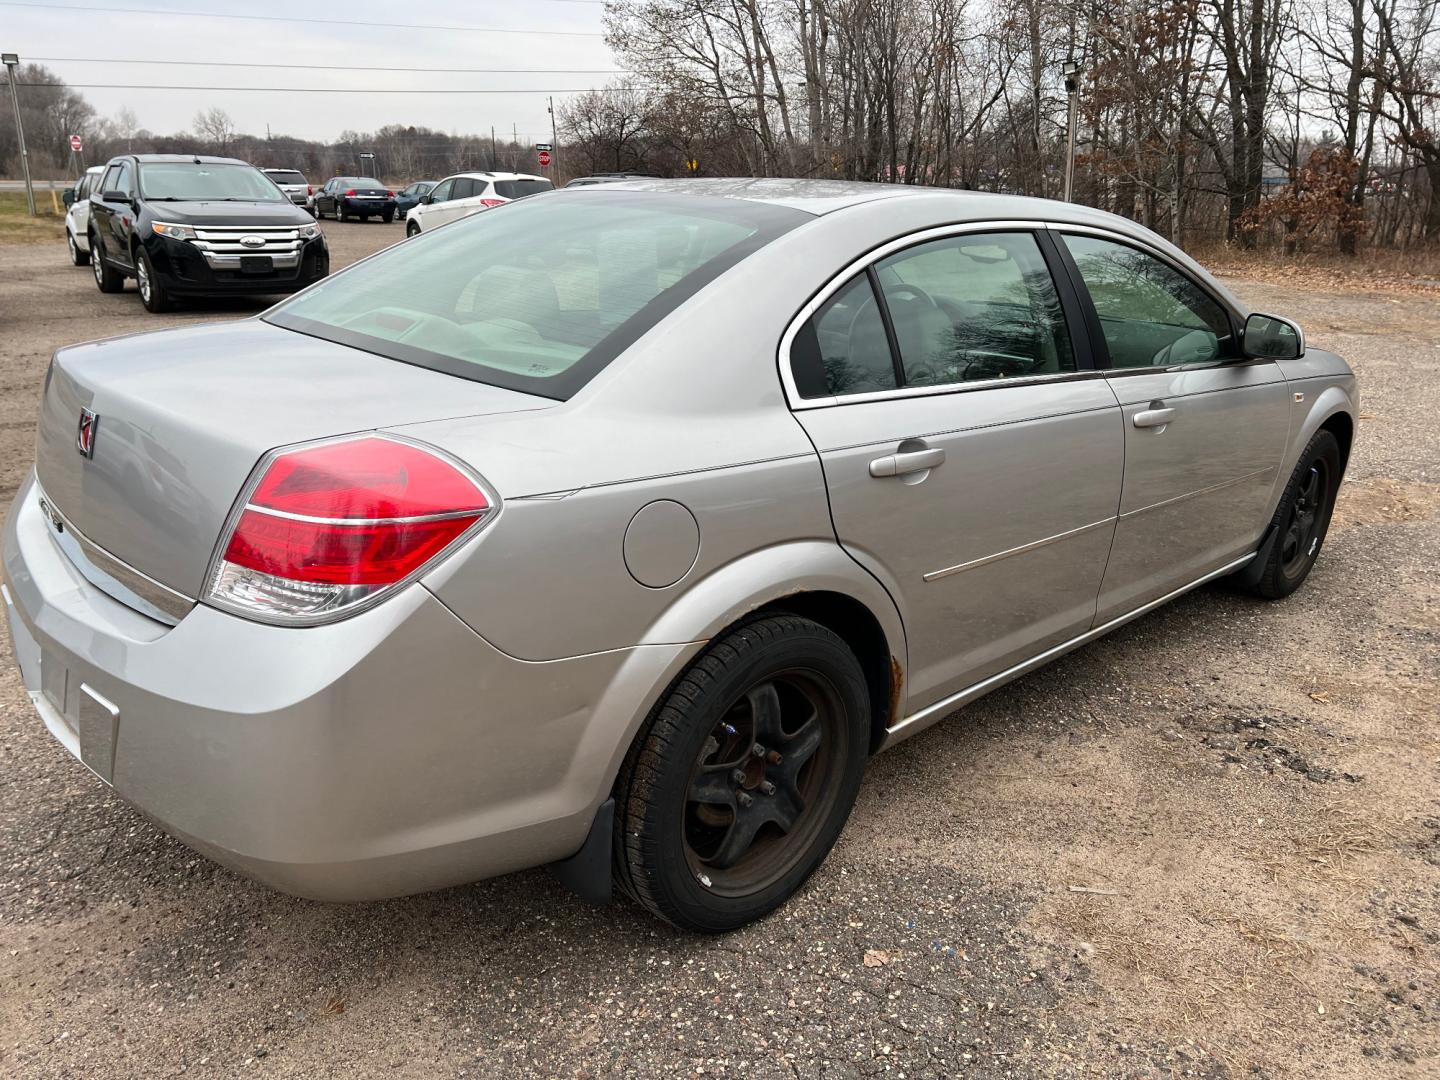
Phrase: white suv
[77,217]
[468,193]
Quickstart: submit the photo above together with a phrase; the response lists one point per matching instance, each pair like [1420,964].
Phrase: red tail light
[309,189]
[389,194]
[331,527]
[493,202]
[350,192]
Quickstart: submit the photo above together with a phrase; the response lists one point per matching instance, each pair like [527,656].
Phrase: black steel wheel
[742,780]
[1301,519]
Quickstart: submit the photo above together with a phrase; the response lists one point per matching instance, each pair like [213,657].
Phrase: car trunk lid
[182,417]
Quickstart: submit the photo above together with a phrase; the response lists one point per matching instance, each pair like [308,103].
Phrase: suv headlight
[175,232]
[309,232]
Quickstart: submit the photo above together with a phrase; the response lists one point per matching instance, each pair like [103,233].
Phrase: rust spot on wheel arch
[897,684]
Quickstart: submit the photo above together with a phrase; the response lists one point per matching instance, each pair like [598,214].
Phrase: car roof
[186,159]
[496,176]
[827,196]
[278,168]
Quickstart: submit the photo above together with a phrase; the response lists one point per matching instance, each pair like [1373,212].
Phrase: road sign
[544,146]
[693,165]
[544,158]
[76,143]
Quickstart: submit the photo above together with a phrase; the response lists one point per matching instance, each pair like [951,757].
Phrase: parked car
[464,194]
[606,178]
[349,197]
[293,183]
[624,526]
[184,225]
[409,197]
[77,216]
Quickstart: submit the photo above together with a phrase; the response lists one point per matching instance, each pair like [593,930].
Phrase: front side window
[541,297]
[973,307]
[123,181]
[441,191]
[184,181]
[1151,314]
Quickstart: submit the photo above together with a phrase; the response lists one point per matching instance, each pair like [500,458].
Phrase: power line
[322,89]
[301,19]
[332,67]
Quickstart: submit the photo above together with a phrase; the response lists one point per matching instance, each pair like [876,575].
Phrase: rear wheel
[107,279]
[77,256]
[341,212]
[741,781]
[388,216]
[152,292]
[1302,518]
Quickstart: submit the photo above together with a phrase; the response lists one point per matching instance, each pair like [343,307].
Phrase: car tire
[736,729]
[412,228]
[341,213]
[1301,519]
[152,293]
[107,278]
[388,216]
[77,257]
[319,214]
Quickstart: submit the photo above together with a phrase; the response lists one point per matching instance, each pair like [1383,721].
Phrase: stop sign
[76,143]
[544,158]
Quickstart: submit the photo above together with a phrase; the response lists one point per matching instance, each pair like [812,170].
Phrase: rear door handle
[904,464]
[1153,417]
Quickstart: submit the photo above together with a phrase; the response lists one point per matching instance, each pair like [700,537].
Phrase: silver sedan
[617,529]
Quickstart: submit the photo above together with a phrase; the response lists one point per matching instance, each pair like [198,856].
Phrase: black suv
[199,226]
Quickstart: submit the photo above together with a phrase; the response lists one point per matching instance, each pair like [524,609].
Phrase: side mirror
[426,199]
[1269,337]
[69,197]
[114,196]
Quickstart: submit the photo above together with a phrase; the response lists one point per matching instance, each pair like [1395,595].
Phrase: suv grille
[223,248]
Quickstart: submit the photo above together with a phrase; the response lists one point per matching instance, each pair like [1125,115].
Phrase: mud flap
[587,872]
[1249,575]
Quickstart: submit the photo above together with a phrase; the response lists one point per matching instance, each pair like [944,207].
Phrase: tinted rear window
[284,176]
[536,296]
[518,189]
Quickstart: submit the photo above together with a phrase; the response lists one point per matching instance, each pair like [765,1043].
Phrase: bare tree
[215,127]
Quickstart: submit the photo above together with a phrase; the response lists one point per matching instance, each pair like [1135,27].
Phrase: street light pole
[554,143]
[1071,70]
[12,65]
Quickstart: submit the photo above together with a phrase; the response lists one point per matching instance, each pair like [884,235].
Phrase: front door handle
[903,464]
[1153,417]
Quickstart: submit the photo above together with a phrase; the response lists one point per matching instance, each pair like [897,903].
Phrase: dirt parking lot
[1247,794]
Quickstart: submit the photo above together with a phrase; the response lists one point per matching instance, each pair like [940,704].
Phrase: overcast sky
[48,30]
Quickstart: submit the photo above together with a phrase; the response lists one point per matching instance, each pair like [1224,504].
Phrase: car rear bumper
[366,206]
[390,753]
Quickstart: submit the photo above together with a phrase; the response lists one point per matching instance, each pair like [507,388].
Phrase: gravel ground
[1255,788]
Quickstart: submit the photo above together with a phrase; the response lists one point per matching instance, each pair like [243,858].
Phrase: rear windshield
[540,295]
[183,181]
[359,181]
[285,176]
[518,189]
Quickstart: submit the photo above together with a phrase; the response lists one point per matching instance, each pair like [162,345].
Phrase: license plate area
[257,264]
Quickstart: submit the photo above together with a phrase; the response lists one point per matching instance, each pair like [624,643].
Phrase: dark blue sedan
[410,196]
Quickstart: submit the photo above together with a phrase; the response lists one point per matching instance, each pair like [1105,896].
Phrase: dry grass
[17,226]
[1372,269]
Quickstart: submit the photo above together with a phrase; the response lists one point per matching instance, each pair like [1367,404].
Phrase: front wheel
[77,256]
[742,779]
[1302,518]
[152,291]
[411,229]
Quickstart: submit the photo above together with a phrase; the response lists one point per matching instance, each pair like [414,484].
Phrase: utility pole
[494,153]
[1071,70]
[514,147]
[12,65]
[554,143]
